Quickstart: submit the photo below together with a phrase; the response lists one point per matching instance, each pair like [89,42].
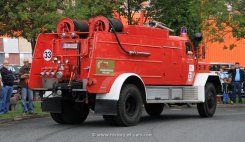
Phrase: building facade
[15,49]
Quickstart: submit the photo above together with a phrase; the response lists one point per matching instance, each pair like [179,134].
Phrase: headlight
[59,74]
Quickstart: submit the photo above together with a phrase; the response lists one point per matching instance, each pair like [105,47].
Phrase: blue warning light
[183,30]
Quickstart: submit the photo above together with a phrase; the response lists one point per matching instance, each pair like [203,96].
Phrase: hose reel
[101,23]
[66,25]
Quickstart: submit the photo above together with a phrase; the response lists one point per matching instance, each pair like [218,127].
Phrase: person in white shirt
[222,75]
[223,79]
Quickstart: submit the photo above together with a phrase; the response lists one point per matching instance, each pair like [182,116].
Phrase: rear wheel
[129,106]
[72,113]
[207,109]
[57,118]
[154,109]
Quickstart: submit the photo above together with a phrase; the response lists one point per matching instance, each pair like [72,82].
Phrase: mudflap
[106,107]
[52,105]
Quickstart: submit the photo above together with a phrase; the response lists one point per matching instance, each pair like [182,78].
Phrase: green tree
[128,8]
[212,17]
[177,14]
[85,9]
[22,18]
[227,16]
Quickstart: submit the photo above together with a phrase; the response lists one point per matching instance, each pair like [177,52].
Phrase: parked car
[215,66]
[16,88]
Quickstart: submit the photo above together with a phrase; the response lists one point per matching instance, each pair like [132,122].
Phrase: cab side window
[188,48]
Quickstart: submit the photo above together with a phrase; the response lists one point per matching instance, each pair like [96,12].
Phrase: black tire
[130,106]
[72,113]
[207,109]
[154,109]
[57,118]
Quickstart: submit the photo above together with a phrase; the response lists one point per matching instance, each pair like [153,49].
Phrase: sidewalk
[18,113]
[23,117]
[230,105]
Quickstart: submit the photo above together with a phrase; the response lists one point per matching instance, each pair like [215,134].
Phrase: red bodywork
[102,60]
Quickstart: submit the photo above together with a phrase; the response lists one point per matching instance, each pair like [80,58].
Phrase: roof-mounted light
[183,30]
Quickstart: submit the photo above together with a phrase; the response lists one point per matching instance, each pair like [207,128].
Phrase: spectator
[7,80]
[231,69]
[230,88]
[26,93]
[222,75]
[225,91]
[223,79]
[237,79]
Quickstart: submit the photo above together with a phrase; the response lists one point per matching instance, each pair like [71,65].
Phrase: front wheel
[207,109]
[130,105]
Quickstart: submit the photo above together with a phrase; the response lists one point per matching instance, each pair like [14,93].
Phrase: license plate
[69,45]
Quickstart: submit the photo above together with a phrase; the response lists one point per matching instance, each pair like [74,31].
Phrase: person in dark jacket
[7,80]
[237,79]
[26,92]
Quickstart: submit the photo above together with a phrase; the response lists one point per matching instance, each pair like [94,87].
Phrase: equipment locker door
[172,62]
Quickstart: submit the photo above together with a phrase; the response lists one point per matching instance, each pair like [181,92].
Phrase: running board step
[173,93]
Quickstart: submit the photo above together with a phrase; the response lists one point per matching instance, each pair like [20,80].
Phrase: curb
[218,106]
[18,118]
[231,105]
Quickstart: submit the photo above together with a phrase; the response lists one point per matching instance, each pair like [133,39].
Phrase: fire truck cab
[117,70]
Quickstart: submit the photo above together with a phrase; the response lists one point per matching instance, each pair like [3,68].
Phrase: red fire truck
[117,70]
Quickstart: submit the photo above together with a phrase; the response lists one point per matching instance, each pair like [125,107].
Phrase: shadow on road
[167,117]
[144,119]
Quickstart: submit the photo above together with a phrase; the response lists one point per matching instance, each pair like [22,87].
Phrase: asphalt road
[174,125]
